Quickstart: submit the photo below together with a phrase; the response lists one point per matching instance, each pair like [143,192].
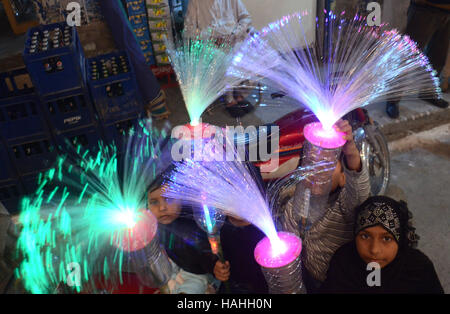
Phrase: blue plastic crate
[136,7]
[137,19]
[21,116]
[115,94]
[11,193]
[149,57]
[88,137]
[146,45]
[33,181]
[32,154]
[56,69]
[142,32]
[115,133]
[15,83]
[7,169]
[151,61]
[69,110]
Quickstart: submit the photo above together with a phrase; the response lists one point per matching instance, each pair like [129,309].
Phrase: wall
[394,12]
[266,11]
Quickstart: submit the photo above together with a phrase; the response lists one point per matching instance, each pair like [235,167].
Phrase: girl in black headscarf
[384,239]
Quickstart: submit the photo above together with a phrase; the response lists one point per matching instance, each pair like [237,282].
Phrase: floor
[420,168]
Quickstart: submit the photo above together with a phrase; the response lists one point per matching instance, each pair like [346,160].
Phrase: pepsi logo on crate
[69,110]
[54,58]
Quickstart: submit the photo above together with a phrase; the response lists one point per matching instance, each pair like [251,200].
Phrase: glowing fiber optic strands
[359,65]
[81,209]
[227,186]
[209,224]
[209,219]
[49,242]
[200,66]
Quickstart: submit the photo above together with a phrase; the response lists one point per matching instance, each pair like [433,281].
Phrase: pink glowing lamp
[199,131]
[317,135]
[197,126]
[275,254]
[137,235]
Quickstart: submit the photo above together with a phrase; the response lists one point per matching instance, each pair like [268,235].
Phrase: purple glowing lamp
[328,139]
[278,254]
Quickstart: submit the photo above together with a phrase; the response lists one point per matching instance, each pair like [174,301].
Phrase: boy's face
[165,210]
[376,244]
[338,177]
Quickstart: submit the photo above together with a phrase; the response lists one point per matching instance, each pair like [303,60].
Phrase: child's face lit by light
[165,210]
[376,244]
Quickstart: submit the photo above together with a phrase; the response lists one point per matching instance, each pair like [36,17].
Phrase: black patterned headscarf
[392,215]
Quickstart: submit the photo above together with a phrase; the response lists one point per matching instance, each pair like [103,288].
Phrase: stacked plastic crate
[159,23]
[113,88]
[25,140]
[55,60]
[138,19]
[10,187]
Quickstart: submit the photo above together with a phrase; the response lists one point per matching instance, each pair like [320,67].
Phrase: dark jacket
[238,245]
[410,272]
[187,245]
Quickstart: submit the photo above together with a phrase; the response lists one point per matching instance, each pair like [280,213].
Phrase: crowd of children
[355,230]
